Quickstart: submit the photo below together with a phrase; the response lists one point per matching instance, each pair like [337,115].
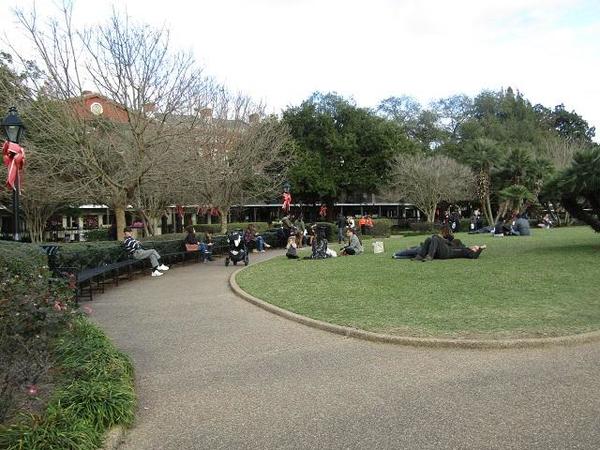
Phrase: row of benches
[84,281]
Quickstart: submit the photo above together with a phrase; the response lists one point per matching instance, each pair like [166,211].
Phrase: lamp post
[14,130]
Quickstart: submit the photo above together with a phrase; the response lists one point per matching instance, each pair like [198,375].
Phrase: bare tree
[155,95]
[426,181]
[236,157]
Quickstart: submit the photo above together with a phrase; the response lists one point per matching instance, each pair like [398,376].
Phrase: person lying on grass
[437,247]
[411,252]
[354,247]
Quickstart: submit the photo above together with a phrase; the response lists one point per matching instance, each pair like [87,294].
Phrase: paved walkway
[215,372]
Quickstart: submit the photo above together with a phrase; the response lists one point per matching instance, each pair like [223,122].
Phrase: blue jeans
[205,253]
[408,253]
[260,243]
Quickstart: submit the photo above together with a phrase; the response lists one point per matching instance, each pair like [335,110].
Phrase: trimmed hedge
[216,228]
[83,255]
[381,228]
[101,234]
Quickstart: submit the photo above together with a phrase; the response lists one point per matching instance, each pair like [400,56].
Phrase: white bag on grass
[378,247]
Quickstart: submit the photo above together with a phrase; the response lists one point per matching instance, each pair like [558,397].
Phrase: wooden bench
[83,279]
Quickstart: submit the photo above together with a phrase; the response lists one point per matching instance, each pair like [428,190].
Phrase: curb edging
[482,344]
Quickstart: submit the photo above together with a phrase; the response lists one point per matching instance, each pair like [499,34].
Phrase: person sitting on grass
[135,249]
[520,227]
[411,252]
[437,247]
[291,248]
[354,247]
[318,243]
[546,222]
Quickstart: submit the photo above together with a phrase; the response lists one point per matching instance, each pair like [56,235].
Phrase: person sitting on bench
[192,244]
[134,248]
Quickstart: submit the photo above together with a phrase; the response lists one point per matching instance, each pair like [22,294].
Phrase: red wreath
[14,159]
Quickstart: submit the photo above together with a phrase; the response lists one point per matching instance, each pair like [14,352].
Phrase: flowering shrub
[32,313]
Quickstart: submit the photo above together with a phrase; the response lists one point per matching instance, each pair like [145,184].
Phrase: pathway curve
[215,372]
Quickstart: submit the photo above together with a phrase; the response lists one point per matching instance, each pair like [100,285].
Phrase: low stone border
[413,341]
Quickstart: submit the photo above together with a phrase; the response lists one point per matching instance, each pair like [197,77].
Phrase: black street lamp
[13,128]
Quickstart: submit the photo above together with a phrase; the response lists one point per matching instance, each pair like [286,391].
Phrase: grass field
[542,285]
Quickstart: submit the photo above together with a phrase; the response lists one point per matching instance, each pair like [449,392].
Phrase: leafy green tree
[568,124]
[578,187]
[420,125]
[342,150]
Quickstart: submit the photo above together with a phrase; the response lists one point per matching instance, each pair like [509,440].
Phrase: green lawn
[542,285]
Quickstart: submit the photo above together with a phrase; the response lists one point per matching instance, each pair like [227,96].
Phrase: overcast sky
[280,51]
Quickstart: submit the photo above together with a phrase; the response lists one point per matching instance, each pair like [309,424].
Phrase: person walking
[135,249]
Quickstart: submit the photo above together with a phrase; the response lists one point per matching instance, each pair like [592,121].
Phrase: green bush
[331,229]
[59,429]
[213,228]
[102,403]
[101,234]
[32,313]
[216,228]
[381,228]
[83,255]
[421,227]
[95,392]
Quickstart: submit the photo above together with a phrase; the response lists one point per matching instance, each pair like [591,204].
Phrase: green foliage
[101,234]
[60,429]
[95,392]
[381,228]
[330,229]
[342,149]
[32,313]
[578,187]
[102,403]
[213,228]
[86,353]
[216,228]
[516,195]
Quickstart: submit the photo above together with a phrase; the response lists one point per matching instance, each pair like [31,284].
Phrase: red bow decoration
[323,211]
[287,201]
[14,159]
[179,210]
[215,212]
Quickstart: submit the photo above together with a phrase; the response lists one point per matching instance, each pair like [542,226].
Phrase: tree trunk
[224,213]
[487,210]
[120,219]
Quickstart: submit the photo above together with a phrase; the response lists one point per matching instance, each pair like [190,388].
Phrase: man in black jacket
[437,247]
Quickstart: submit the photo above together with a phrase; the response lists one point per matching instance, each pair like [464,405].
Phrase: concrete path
[215,372]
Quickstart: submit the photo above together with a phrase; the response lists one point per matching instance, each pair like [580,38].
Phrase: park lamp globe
[13,127]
